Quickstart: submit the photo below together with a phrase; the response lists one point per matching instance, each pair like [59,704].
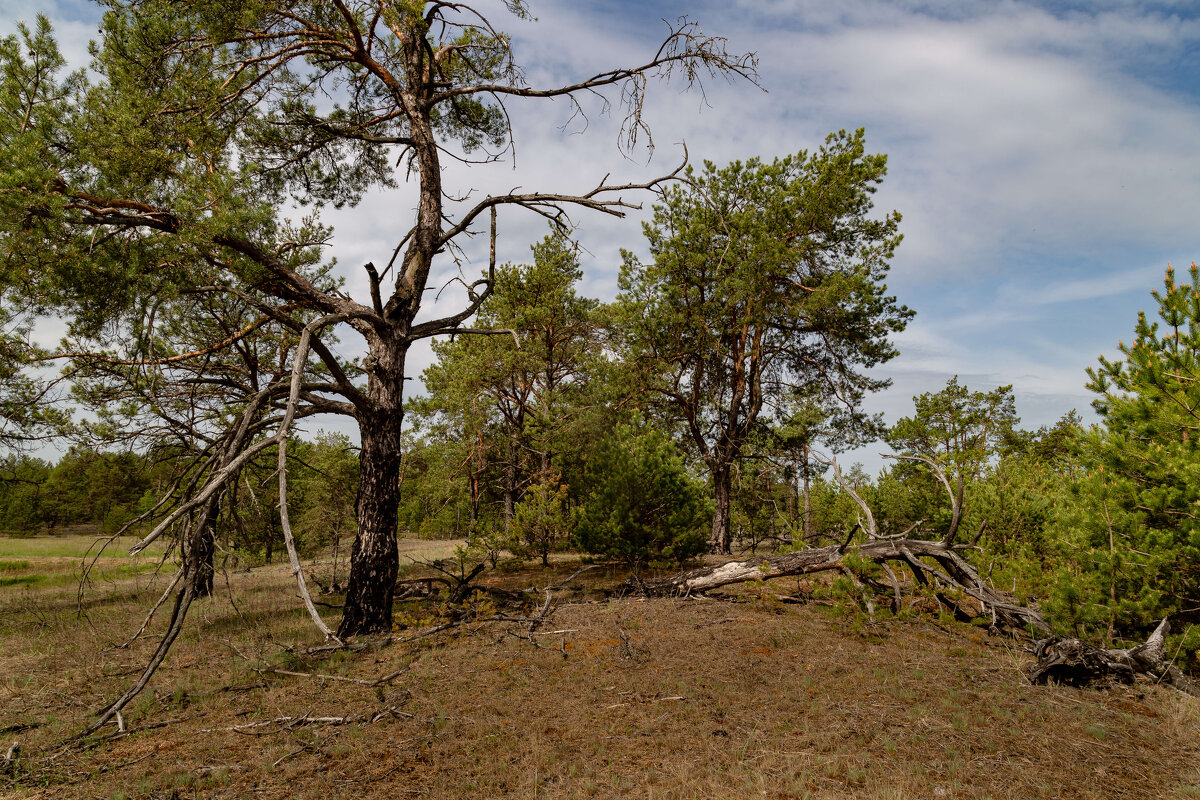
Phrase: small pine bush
[642,504]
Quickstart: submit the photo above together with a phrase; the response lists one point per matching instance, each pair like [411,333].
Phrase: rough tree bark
[374,559]
[721,538]
[201,549]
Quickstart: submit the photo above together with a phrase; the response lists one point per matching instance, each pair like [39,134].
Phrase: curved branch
[281,436]
[538,200]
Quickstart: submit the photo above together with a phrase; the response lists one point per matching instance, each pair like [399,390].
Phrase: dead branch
[328,648]
[291,723]
[153,610]
[341,678]
[956,498]
[949,568]
[541,615]
[573,576]
[10,758]
[284,427]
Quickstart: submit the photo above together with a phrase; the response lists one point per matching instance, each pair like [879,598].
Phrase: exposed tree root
[1072,662]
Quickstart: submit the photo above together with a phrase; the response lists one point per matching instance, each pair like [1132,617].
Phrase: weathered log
[952,571]
[938,564]
[1076,663]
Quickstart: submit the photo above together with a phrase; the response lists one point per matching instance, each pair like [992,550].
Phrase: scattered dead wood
[939,564]
[531,623]
[368,644]
[291,722]
[340,678]
[1076,663]
[949,572]
[574,575]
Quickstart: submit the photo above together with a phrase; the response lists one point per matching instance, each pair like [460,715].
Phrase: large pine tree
[169,175]
[766,279]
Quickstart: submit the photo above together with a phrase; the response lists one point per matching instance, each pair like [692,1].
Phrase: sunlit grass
[70,546]
[638,698]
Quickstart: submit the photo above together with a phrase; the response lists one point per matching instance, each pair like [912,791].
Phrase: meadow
[735,695]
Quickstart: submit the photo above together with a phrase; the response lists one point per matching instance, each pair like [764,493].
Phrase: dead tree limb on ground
[1075,663]
[955,573]
[940,563]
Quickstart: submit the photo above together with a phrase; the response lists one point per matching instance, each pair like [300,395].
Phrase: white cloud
[1045,160]
[1007,127]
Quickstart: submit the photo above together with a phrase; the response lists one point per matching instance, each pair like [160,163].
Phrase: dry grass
[726,698]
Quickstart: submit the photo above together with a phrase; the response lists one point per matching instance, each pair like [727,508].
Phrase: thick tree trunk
[721,539]
[374,559]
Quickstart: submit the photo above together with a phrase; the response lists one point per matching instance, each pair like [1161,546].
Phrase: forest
[163,209]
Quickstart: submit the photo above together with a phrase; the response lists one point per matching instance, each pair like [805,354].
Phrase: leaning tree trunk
[204,549]
[201,549]
[374,559]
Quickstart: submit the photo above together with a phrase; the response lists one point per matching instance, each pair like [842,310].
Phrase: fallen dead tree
[950,572]
[937,564]
[1076,663]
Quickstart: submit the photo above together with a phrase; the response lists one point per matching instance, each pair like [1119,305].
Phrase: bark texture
[374,559]
[202,548]
[721,539]
[1076,663]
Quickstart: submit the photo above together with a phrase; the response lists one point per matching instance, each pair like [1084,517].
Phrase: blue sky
[1045,156]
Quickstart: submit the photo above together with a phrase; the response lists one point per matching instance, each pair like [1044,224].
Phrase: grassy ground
[57,561]
[735,698]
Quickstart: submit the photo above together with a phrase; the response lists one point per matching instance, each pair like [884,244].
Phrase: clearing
[734,697]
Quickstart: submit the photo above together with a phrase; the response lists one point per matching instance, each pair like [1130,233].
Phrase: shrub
[642,504]
[541,521]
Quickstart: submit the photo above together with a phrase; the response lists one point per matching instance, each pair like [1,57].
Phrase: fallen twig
[575,575]
[326,648]
[130,763]
[290,722]
[10,758]
[324,677]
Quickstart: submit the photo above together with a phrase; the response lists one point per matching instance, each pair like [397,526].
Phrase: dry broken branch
[940,563]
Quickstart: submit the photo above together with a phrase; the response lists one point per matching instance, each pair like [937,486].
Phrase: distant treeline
[104,491]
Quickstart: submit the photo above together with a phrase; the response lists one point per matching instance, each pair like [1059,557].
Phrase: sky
[1045,157]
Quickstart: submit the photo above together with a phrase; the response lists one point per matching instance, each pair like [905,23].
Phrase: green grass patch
[70,546]
[14,566]
[19,580]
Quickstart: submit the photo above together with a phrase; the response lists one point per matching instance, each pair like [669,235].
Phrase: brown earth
[737,697]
